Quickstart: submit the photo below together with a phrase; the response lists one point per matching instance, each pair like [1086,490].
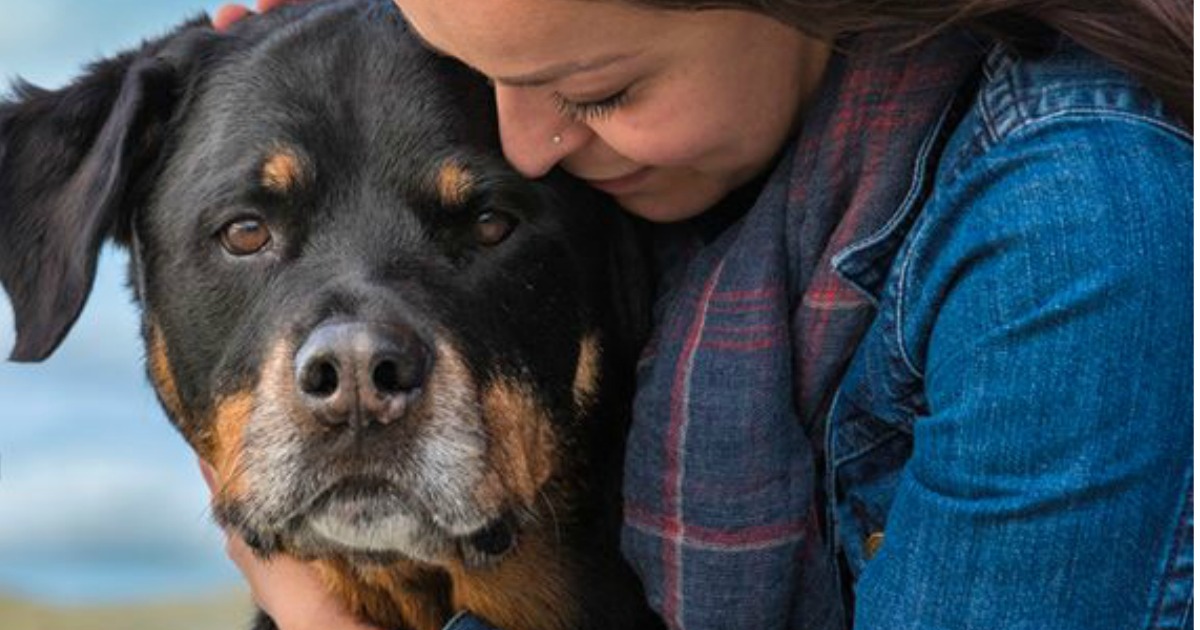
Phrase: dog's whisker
[553,517]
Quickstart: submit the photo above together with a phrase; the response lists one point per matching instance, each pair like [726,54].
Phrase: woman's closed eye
[586,111]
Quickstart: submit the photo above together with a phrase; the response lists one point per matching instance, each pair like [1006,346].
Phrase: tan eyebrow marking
[283,171]
[455,183]
[587,373]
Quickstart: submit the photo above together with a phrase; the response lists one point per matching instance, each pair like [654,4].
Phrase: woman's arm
[1047,308]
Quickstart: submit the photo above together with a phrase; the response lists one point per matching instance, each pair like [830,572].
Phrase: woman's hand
[289,591]
[230,13]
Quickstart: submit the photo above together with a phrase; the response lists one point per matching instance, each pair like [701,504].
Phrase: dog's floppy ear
[71,161]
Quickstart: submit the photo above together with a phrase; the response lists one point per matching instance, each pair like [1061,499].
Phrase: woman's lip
[622,184]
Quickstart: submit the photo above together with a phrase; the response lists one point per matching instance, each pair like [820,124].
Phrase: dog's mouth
[376,516]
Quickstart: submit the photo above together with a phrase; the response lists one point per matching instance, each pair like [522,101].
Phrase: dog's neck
[530,589]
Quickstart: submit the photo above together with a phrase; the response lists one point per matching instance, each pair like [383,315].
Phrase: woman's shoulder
[1061,134]
[1020,91]
[1063,168]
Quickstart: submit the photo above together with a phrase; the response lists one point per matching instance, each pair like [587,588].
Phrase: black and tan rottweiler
[403,360]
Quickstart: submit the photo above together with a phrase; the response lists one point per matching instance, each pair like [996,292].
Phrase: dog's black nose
[358,374]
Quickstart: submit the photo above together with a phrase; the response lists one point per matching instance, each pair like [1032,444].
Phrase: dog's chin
[382,526]
[373,519]
[377,521]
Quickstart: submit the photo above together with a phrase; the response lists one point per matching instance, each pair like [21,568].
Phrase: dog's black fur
[309,197]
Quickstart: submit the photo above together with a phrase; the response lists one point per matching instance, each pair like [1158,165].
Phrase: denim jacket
[1011,445]
[1007,442]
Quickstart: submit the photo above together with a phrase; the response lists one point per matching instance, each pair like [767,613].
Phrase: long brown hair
[1150,39]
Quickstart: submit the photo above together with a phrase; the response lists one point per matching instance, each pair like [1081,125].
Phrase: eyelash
[591,110]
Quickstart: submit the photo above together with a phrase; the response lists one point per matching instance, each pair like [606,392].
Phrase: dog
[404,362]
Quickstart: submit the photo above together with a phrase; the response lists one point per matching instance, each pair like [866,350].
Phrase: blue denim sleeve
[467,621]
[1046,305]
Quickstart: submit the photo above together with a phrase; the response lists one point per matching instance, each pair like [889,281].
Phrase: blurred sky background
[100,500]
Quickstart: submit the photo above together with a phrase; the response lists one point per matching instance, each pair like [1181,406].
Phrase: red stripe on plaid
[674,445]
[830,293]
[694,535]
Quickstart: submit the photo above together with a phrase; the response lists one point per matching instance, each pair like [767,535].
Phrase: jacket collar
[865,158]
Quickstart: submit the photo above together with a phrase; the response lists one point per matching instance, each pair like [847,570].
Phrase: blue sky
[99,498]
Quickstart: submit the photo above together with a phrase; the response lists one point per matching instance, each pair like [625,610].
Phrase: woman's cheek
[683,140]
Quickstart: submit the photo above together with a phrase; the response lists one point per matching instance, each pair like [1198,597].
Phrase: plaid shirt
[754,329]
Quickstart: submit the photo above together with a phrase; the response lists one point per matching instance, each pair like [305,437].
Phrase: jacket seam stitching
[901,300]
[1104,114]
[988,93]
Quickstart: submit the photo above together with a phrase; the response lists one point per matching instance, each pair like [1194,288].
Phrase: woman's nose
[534,135]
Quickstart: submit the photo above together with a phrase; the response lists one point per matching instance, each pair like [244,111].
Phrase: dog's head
[386,343]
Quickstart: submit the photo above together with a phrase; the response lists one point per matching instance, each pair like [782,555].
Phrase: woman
[922,356]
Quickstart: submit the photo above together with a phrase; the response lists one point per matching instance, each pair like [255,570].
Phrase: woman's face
[667,111]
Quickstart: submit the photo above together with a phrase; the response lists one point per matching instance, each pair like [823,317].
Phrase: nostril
[392,375]
[386,378]
[320,379]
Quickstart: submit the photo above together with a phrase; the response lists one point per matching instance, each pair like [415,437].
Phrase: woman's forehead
[526,39]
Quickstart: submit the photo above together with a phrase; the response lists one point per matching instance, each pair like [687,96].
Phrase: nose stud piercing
[557,139]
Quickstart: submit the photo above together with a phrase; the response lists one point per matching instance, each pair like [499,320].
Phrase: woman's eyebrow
[541,77]
[561,70]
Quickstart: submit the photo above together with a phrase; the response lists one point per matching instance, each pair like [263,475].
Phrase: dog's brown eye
[493,227]
[245,237]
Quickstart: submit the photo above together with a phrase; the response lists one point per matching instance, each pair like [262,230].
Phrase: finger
[209,473]
[279,572]
[239,551]
[252,568]
[228,14]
